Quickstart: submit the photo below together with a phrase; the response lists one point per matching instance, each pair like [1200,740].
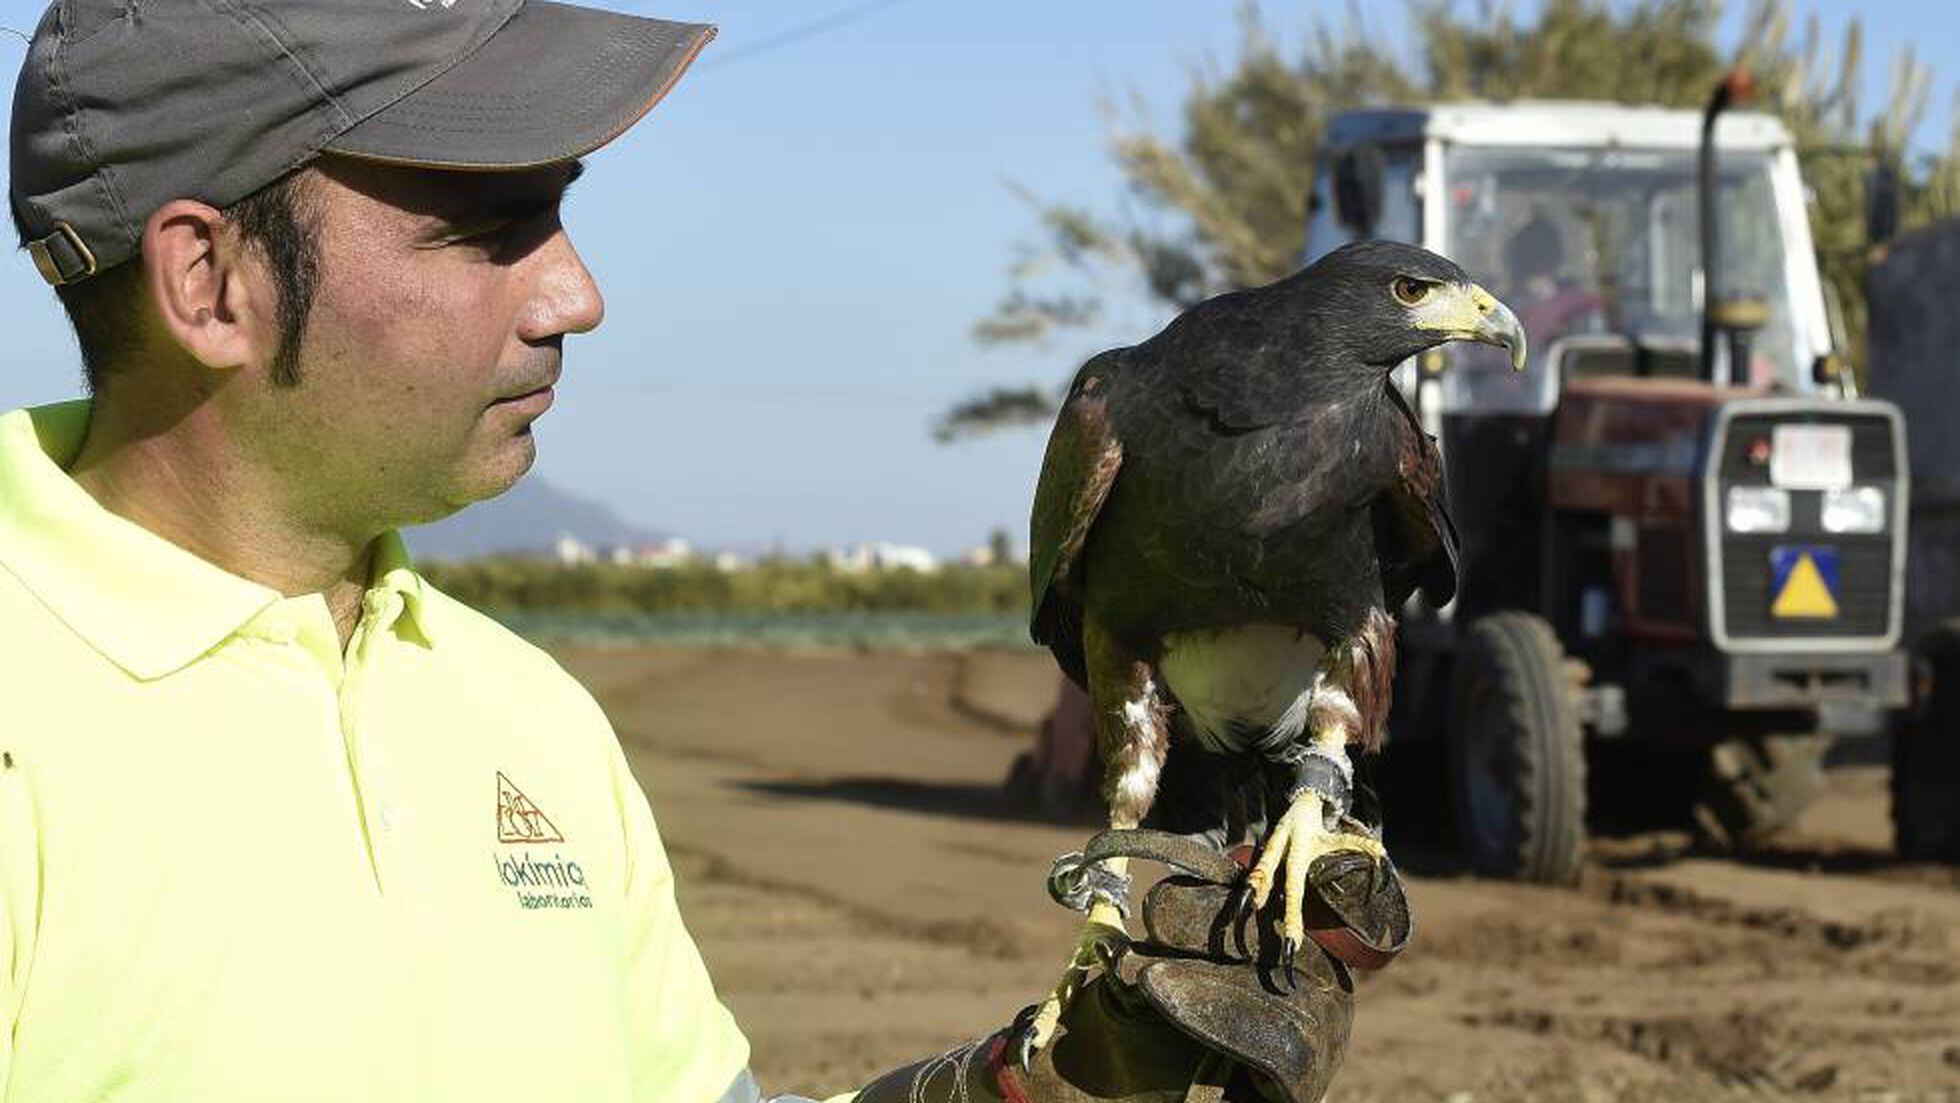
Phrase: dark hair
[1536,249]
[277,220]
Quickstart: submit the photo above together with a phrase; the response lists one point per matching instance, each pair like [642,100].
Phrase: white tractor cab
[1682,530]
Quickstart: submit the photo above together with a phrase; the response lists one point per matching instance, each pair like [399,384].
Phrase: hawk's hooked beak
[1466,312]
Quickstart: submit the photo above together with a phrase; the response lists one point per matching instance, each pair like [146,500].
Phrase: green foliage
[778,586]
[998,406]
[1224,203]
[1657,51]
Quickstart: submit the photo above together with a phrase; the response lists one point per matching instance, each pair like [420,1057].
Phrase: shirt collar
[148,605]
[393,570]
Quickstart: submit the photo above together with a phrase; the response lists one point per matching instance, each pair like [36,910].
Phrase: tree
[1224,204]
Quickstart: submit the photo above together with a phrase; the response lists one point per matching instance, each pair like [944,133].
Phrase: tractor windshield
[1606,242]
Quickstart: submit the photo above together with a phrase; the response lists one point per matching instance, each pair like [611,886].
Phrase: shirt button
[387,817]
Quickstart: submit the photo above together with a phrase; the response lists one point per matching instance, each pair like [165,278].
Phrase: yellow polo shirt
[236,865]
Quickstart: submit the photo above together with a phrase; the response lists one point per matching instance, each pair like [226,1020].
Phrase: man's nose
[566,298]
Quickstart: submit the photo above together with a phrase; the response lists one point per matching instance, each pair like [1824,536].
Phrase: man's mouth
[541,386]
[533,402]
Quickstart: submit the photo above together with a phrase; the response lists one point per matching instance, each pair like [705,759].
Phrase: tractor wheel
[1517,762]
[1760,785]
[1926,758]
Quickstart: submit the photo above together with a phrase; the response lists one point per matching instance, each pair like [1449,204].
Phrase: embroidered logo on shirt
[520,821]
[541,881]
[561,884]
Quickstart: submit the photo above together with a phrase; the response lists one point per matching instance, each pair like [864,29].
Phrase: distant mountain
[527,518]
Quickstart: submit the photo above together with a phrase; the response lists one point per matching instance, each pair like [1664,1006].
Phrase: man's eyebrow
[574,169]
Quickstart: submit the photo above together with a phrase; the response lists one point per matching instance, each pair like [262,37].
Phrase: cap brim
[554,83]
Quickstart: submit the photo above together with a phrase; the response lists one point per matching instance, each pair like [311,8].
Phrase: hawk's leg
[1134,737]
[1316,820]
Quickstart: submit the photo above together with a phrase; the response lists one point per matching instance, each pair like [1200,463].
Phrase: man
[1550,305]
[251,764]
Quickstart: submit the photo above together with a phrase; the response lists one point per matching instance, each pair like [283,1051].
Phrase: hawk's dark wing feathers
[1244,361]
[1414,536]
[1080,466]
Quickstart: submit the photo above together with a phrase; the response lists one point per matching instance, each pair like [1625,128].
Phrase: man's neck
[182,482]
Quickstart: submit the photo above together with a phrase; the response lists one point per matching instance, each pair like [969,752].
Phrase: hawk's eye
[1410,291]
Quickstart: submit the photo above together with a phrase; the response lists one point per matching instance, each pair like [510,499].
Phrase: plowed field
[865,898]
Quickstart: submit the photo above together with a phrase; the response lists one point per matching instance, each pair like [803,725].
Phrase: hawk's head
[1387,301]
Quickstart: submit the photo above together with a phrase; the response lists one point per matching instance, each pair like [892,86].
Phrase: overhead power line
[801,33]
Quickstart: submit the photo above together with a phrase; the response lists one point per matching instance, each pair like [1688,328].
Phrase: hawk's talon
[1288,950]
[1024,1045]
[1038,1030]
[1020,1033]
[1239,904]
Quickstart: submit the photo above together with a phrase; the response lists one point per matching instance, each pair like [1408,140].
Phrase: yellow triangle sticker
[1805,593]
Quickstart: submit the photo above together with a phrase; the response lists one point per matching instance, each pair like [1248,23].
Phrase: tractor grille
[1865,565]
[1864,587]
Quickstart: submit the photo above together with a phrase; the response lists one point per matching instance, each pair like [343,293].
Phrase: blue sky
[795,244]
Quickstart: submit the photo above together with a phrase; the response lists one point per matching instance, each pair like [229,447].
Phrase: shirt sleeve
[20,856]
[683,1044]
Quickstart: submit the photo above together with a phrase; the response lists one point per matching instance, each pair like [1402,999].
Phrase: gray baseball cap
[123,106]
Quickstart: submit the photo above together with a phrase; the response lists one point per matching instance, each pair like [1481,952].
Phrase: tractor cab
[1584,219]
[1680,526]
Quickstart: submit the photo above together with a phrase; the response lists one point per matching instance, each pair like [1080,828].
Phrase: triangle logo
[520,821]
[1805,593]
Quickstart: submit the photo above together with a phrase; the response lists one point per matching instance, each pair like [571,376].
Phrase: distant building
[881,557]
[664,555]
[572,551]
[729,561]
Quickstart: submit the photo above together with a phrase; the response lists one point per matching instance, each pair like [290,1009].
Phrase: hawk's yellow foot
[1103,937]
[1296,841]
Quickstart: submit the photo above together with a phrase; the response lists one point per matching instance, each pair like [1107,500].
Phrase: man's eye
[487,235]
[1410,291]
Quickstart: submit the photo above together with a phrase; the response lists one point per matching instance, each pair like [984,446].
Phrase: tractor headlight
[1758,509]
[1855,509]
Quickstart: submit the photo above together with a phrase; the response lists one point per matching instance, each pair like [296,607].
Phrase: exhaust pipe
[1737,87]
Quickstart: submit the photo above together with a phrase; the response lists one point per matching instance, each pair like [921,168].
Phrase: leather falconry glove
[1202,1006]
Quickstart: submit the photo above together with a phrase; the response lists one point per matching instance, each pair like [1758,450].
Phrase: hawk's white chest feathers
[1243,687]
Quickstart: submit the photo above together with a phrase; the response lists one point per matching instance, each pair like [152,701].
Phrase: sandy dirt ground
[865,897]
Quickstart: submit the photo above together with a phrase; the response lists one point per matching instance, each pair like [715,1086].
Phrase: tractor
[1683,531]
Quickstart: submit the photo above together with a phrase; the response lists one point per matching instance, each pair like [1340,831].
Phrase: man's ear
[211,294]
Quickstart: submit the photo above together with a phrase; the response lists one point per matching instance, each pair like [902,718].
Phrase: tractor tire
[1517,756]
[1759,785]
[1926,758]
